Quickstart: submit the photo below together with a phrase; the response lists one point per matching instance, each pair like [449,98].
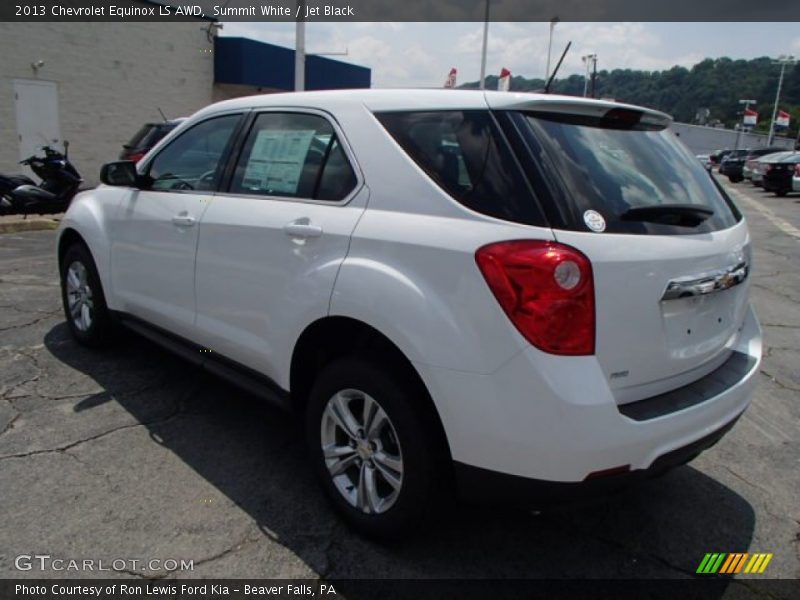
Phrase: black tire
[734,179]
[100,330]
[781,193]
[424,473]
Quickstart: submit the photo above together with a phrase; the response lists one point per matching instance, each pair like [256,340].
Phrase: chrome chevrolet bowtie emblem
[706,283]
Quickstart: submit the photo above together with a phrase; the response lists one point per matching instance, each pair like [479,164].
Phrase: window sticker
[276,160]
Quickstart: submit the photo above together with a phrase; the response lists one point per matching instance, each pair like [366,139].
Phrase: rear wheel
[85,309]
[781,193]
[372,447]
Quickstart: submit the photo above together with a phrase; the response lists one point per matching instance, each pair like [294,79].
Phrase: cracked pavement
[132,453]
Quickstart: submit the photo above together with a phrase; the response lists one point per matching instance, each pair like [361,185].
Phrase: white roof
[432,99]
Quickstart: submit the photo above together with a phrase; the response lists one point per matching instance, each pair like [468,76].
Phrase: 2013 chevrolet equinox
[517,293]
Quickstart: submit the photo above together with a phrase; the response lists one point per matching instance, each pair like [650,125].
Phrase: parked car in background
[717,156]
[705,160]
[755,168]
[734,165]
[728,164]
[146,138]
[779,172]
[387,265]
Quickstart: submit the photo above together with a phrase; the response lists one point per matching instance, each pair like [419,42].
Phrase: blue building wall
[247,62]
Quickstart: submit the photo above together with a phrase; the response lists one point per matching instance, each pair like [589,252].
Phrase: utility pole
[740,126]
[300,49]
[482,84]
[594,75]
[553,22]
[587,59]
[783,60]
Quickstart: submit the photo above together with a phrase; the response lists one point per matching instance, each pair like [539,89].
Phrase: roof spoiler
[569,105]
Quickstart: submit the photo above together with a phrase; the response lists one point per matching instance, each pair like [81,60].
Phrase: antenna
[163,116]
[558,65]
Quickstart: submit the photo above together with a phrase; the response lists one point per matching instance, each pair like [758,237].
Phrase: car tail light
[797,170]
[547,291]
[137,156]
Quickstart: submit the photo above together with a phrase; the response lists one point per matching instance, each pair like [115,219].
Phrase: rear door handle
[302,228]
[183,220]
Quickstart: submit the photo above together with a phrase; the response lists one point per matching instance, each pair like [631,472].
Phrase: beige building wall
[111,79]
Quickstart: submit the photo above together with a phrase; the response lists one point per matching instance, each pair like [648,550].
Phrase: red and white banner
[504,83]
[750,117]
[782,120]
[451,78]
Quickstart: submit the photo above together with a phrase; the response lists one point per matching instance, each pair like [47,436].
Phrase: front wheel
[85,309]
[373,448]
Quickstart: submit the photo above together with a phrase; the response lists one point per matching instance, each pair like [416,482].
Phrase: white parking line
[781,224]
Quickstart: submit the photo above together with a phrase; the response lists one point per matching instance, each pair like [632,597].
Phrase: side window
[293,155]
[465,154]
[193,160]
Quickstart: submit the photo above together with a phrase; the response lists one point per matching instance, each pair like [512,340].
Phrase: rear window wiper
[682,215]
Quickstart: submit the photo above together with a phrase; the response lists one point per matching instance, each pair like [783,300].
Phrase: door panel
[156,229]
[269,251]
[152,256]
[259,282]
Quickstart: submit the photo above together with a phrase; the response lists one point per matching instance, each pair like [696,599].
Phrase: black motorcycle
[19,194]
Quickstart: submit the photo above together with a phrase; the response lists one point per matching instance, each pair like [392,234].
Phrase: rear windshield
[612,167]
[149,135]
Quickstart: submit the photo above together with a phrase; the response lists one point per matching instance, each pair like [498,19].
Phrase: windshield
[611,170]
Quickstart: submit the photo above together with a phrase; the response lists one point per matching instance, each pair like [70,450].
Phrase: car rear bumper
[475,484]
[777,184]
[555,420]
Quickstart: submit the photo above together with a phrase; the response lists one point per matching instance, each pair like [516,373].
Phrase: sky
[421,54]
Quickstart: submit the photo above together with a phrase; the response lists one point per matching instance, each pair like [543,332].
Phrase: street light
[300,49]
[553,22]
[783,60]
[482,84]
[588,60]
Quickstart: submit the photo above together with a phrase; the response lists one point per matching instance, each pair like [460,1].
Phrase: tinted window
[192,161]
[612,167]
[465,154]
[293,155]
[149,135]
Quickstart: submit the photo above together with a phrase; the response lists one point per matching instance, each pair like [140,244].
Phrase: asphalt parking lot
[133,454]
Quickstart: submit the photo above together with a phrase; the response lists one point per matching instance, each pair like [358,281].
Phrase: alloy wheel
[79,296]
[361,451]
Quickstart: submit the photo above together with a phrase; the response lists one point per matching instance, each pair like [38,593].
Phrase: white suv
[525,295]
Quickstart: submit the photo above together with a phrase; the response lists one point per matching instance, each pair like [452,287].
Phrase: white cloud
[421,54]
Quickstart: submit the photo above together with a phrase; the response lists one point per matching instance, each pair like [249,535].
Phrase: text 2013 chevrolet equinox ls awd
[517,293]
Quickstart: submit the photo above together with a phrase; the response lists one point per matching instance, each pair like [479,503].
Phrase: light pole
[482,84]
[740,126]
[588,60]
[553,22]
[783,60]
[300,49]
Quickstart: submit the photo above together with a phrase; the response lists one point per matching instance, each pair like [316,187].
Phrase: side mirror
[120,173]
